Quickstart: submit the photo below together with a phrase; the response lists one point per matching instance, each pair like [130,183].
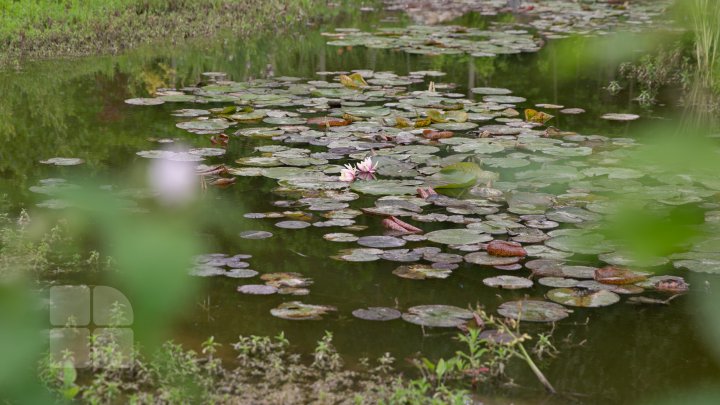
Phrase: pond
[77,108]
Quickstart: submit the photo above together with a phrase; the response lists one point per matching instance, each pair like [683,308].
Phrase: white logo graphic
[83,316]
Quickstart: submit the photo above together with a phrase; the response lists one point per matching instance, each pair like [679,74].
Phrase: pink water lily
[367,166]
[348,174]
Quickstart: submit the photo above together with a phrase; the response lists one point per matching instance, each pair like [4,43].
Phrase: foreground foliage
[268,371]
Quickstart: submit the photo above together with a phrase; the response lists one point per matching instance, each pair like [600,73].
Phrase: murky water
[76,108]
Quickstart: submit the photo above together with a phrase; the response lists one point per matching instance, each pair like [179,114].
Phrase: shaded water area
[619,354]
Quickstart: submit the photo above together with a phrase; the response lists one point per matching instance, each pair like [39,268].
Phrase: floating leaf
[620,117]
[577,297]
[508,282]
[505,248]
[61,161]
[340,237]
[381,241]
[482,258]
[460,175]
[257,289]
[377,314]
[537,116]
[438,116]
[421,272]
[533,311]
[558,282]
[292,224]
[456,236]
[353,81]
[328,121]
[286,279]
[144,101]
[437,316]
[255,235]
[617,275]
[296,310]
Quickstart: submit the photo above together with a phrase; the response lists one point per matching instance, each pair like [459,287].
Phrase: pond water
[76,108]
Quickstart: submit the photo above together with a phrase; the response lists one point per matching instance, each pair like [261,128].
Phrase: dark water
[620,354]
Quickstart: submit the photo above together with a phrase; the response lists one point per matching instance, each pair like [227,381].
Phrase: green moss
[52,28]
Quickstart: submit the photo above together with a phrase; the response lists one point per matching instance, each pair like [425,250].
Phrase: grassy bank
[57,28]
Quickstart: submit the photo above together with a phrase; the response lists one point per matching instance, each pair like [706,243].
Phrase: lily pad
[437,316]
[61,161]
[533,311]
[484,259]
[381,241]
[577,297]
[241,273]
[620,117]
[340,237]
[508,282]
[457,236]
[297,310]
[377,314]
[558,282]
[491,91]
[144,101]
[255,235]
[257,289]
[421,272]
[292,224]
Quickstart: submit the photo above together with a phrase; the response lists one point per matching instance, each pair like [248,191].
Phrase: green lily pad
[508,282]
[437,316]
[386,187]
[61,161]
[297,310]
[421,272]
[377,314]
[620,117]
[558,282]
[144,101]
[577,297]
[490,91]
[583,243]
[533,311]
[504,99]
[257,289]
[484,259]
[381,241]
[204,126]
[456,236]
[292,224]
[340,237]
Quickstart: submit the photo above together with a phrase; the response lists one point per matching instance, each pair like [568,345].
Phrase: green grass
[50,28]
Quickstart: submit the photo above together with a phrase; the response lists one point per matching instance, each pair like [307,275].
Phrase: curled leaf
[537,116]
[353,81]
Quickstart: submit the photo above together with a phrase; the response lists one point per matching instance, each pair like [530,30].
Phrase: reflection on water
[76,109]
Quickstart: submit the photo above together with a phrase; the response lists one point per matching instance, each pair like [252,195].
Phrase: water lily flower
[366,176]
[367,166]
[348,174]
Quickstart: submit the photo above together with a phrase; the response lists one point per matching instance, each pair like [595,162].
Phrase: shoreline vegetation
[42,29]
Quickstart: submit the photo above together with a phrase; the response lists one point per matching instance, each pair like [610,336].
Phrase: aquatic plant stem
[540,376]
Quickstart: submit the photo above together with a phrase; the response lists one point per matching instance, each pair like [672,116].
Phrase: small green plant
[485,358]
